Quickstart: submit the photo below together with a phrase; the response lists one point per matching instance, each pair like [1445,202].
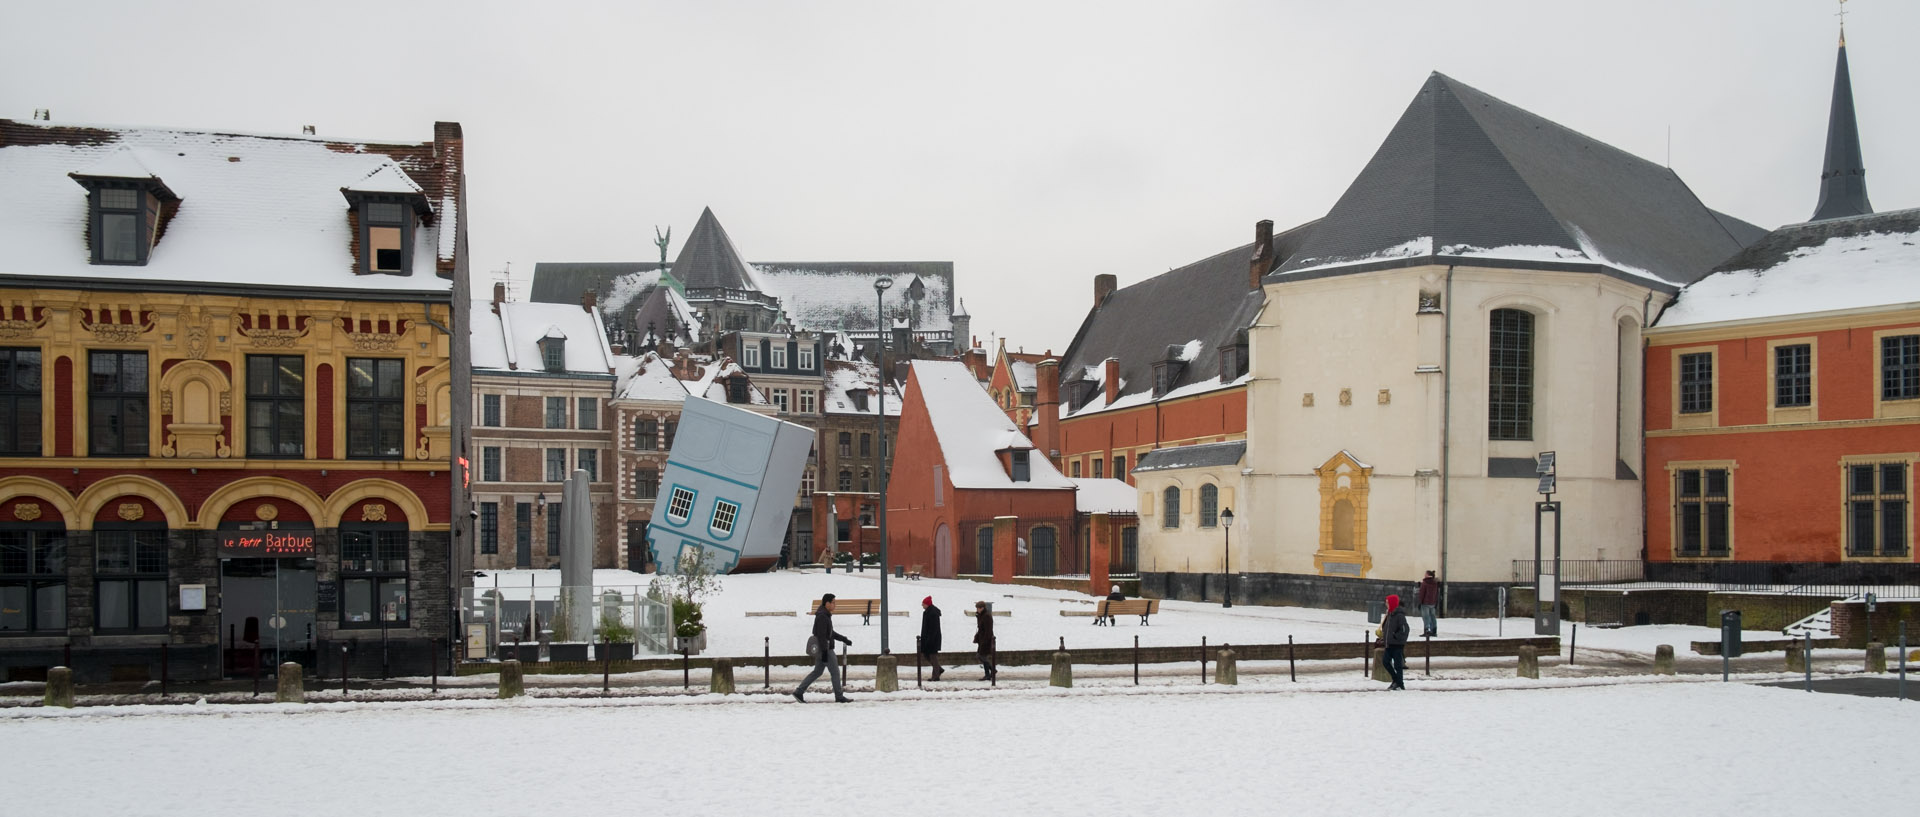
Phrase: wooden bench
[866,609]
[1106,609]
[913,572]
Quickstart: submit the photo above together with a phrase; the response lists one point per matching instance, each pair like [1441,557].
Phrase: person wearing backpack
[820,646]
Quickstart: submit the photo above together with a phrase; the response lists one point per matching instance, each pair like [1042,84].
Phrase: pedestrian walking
[983,638]
[820,646]
[1393,636]
[1429,604]
[930,636]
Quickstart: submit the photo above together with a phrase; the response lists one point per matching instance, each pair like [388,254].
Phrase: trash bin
[1376,612]
[1730,633]
[899,571]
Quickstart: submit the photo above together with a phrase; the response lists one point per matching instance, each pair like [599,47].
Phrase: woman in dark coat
[983,638]
[930,636]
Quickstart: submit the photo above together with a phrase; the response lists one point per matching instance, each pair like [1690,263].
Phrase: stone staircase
[1819,625]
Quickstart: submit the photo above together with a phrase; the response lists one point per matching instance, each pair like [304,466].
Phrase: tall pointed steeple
[1843,183]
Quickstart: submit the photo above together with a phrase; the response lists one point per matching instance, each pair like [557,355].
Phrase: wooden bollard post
[721,681]
[1228,672]
[291,688]
[886,673]
[59,688]
[1529,662]
[513,683]
[1663,659]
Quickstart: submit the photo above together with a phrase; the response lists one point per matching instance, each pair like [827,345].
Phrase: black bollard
[606,665]
[686,669]
[1364,644]
[343,670]
[1573,644]
[1290,673]
[917,647]
[1429,654]
[1203,660]
[766,662]
[1136,660]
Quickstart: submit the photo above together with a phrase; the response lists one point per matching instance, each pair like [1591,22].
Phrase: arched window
[1510,375]
[1170,517]
[846,480]
[1209,506]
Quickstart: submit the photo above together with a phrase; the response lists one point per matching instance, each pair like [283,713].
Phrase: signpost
[1546,585]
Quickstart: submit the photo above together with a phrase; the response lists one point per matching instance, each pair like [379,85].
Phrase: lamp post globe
[880,331]
[1226,521]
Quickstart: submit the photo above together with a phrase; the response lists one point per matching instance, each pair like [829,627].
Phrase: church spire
[1843,182]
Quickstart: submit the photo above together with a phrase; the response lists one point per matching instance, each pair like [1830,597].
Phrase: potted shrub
[616,638]
[566,645]
[684,590]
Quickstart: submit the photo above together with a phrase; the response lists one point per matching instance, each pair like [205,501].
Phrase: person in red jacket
[1393,636]
[1429,603]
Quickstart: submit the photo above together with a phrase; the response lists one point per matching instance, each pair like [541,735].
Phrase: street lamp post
[880,286]
[1226,521]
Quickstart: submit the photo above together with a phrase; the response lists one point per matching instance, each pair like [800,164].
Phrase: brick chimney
[586,300]
[499,296]
[1046,406]
[1264,258]
[1103,285]
[1110,378]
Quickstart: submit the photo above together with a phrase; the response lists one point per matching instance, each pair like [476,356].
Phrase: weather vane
[1842,14]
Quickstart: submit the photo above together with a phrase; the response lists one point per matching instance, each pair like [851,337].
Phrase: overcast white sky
[1032,144]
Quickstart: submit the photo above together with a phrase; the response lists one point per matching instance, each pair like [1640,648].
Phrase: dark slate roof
[1843,180]
[1781,245]
[1208,300]
[709,260]
[562,283]
[1191,456]
[1469,172]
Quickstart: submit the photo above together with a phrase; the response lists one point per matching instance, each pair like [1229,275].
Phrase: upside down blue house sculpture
[728,489]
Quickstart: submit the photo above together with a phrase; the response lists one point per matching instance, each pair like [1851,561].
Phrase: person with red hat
[1393,636]
[930,636]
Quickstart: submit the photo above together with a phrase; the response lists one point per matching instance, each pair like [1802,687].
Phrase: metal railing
[1586,571]
[552,614]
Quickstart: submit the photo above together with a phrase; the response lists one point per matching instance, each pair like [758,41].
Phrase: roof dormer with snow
[539,339]
[229,211]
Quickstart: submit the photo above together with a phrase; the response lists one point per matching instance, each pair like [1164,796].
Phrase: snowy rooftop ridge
[972,429]
[509,341]
[264,211]
[1862,262]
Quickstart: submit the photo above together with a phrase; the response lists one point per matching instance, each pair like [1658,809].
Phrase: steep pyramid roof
[1843,180]
[1465,175]
[709,260]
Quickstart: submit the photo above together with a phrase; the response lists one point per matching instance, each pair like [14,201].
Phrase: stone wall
[1850,622]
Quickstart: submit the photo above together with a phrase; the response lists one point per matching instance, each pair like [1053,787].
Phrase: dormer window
[859,398]
[124,201]
[1021,469]
[553,353]
[738,390]
[388,206]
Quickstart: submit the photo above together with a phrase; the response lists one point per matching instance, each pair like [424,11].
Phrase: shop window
[489,527]
[20,402]
[1877,509]
[375,407]
[117,404]
[33,578]
[130,571]
[276,405]
[373,575]
[1703,511]
[1510,375]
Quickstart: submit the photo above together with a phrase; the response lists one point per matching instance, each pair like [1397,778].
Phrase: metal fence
[1586,571]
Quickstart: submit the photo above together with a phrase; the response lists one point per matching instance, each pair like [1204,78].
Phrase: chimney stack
[499,295]
[306,130]
[586,300]
[1046,404]
[1103,285]
[1264,258]
[1110,379]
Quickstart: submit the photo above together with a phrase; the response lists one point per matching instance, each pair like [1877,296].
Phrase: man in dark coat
[1429,603]
[1393,635]
[930,636]
[1113,595]
[823,659]
[983,638]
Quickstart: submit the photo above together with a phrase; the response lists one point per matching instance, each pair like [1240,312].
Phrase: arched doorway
[943,552]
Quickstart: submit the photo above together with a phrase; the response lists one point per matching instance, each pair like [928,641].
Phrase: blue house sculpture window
[680,506]
[724,513]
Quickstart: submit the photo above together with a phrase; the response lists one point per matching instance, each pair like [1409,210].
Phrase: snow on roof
[1025,375]
[1863,262]
[843,376]
[626,288]
[1105,496]
[387,178]
[972,430]
[254,210]
[832,295]
[651,378]
[510,340]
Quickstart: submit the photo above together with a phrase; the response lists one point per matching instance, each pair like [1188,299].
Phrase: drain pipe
[1446,435]
[1640,407]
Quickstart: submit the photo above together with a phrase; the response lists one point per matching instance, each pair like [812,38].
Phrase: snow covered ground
[1036,622]
[1467,748]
